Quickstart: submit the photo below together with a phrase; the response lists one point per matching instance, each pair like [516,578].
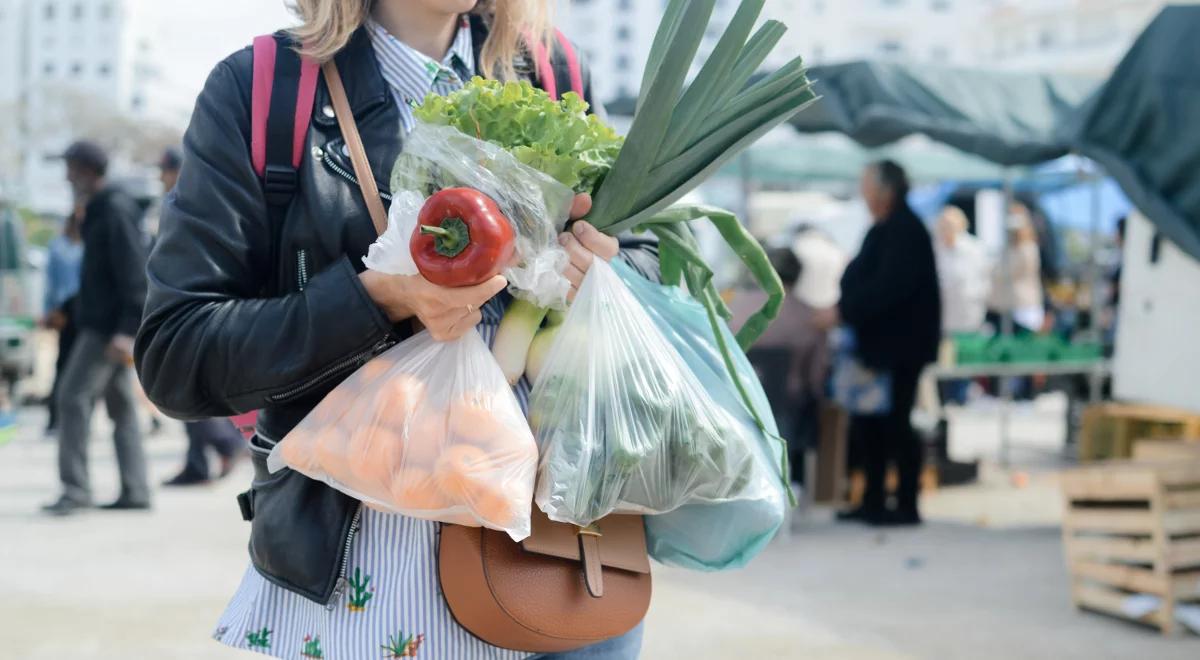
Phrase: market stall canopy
[1141,125]
[1005,117]
[809,158]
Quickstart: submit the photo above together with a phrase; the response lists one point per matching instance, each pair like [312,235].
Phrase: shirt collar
[412,74]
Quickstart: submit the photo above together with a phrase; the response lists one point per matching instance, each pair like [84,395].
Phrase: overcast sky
[193,35]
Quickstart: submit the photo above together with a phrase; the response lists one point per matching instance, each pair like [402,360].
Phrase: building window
[891,3]
[50,11]
[105,12]
[76,69]
[77,12]
[818,6]
[138,102]
[890,47]
[48,68]
[625,5]
[623,33]
[104,69]
[941,5]
[622,63]
[1046,39]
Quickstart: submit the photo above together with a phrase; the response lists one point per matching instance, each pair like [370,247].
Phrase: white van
[18,308]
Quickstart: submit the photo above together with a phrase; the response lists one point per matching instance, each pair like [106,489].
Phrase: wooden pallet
[1110,430]
[1130,528]
[1164,449]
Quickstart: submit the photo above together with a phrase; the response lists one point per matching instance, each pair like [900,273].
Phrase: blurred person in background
[63,262]
[890,299]
[792,356]
[111,293]
[219,433]
[1016,278]
[964,274]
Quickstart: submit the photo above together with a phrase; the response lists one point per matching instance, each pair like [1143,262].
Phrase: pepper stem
[450,238]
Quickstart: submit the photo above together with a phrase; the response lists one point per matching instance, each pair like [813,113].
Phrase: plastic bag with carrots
[427,429]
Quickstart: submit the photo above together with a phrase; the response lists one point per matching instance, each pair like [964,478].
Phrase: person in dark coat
[108,312]
[891,301]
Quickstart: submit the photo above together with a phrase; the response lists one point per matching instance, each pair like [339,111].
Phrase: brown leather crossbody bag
[562,588]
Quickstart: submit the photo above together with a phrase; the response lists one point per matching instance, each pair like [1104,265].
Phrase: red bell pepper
[462,238]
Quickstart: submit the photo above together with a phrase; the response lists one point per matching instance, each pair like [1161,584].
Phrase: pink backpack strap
[266,50]
[572,62]
[545,68]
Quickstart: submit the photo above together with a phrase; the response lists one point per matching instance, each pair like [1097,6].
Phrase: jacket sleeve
[889,280]
[211,344]
[127,256]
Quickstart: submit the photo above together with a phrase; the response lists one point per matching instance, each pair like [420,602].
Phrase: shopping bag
[622,423]
[855,387]
[427,429]
[726,534]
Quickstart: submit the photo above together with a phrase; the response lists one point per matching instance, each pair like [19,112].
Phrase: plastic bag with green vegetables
[728,534]
[623,424]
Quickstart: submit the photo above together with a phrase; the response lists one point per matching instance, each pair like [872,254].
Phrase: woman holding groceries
[250,308]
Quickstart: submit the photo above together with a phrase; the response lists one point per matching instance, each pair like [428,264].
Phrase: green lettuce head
[558,138]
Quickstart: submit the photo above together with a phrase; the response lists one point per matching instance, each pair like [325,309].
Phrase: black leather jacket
[218,338]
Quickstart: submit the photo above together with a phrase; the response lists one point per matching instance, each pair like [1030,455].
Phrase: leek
[515,335]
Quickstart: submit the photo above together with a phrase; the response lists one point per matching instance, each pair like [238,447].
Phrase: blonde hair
[327,25]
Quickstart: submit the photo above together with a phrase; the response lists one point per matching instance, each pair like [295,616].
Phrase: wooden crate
[1109,430]
[1130,528]
[1163,449]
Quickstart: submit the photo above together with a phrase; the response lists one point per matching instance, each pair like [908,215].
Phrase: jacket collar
[365,87]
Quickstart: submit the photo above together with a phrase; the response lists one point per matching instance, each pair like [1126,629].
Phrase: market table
[1095,370]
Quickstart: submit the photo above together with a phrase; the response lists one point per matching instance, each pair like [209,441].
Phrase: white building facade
[1086,37]
[80,69]
[615,36]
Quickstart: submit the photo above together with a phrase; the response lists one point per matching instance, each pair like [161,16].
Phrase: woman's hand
[584,243]
[448,313]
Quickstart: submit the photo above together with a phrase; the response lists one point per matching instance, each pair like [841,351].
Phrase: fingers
[604,246]
[581,257]
[581,206]
[475,296]
[460,327]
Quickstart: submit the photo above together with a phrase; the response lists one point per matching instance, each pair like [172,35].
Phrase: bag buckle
[279,184]
[589,555]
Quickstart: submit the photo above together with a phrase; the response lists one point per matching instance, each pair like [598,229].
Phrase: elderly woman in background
[1016,280]
[964,272]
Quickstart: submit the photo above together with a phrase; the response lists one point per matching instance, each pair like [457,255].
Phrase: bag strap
[283,93]
[358,154]
[545,67]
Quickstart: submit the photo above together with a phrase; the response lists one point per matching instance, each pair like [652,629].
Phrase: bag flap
[622,541]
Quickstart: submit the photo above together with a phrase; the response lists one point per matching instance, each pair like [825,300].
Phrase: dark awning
[1141,126]
[1007,118]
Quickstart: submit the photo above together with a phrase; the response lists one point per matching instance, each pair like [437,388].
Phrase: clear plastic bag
[439,157]
[728,534]
[428,429]
[623,424]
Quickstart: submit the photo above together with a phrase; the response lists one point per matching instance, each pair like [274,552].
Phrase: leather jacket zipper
[301,269]
[328,373]
[340,171]
[339,587]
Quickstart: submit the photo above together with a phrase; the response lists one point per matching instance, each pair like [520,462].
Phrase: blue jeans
[625,647]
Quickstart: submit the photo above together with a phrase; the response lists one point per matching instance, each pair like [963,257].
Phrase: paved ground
[973,584]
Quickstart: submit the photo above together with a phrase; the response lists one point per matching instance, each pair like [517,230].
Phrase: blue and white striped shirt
[393,607]
[412,74]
